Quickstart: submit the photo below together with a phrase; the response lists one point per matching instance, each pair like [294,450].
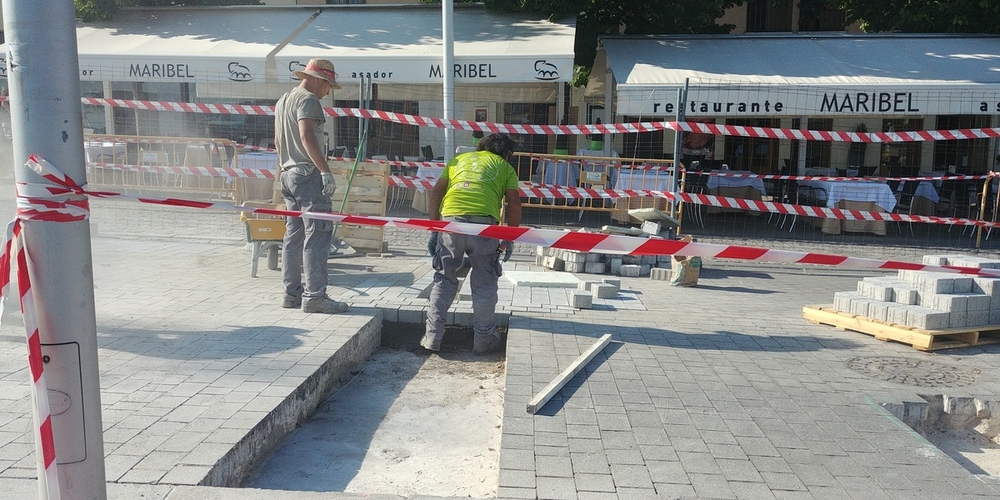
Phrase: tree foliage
[102,10]
[595,18]
[924,16]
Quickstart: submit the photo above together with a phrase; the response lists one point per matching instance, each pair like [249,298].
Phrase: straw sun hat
[320,68]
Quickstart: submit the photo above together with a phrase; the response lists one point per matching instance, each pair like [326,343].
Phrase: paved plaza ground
[721,391]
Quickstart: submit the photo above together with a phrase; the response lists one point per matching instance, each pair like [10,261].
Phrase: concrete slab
[542,279]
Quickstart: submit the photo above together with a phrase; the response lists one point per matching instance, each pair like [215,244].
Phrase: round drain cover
[914,372]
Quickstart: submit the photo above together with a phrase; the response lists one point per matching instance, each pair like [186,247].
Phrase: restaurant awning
[390,44]
[807,75]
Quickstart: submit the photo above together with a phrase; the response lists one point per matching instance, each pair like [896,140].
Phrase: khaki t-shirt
[295,105]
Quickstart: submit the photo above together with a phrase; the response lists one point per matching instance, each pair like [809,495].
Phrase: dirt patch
[976,452]
[409,423]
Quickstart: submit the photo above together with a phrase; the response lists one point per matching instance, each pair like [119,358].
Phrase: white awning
[807,75]
[391,44]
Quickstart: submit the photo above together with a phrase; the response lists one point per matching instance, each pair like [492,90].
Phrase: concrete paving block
[595,267]
[651,227]
[595,257]
[842,301]
[649,260]
[630,270]
[540,250]
[604,291]
[985,285]
[664,258]
[994,316]
[979,318]
[587,285]
[644,269]
[540,260]
[616,265]
[580,299]
[897,314]
[859,307]
[617,283]
[977,302]
[574,257]
[936,283]
[554,263]
[927,319]
[935,260]
[664,264]
[875,290]
[411,316]
[630,260]
[958,319]
[878,311]
[949,302]
[575,267]
[962,284]
[660,274]
[908,276]
[905,295]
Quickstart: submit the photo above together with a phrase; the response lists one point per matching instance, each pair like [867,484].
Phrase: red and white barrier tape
[36,203]
[229,172]
[45,456]
[608,128]
[747,175]
[528,190]
[578,241]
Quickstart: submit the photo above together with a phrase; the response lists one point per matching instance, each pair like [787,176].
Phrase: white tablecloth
[878,192]
[715,181]
[656,180]
[420,197]
[104,152]
[925,189]
[433,173]
[265,162]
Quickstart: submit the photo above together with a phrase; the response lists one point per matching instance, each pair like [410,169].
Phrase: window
[755,154]
[817,152]
[901,158]
[967,155]
[769,15]
[642,144]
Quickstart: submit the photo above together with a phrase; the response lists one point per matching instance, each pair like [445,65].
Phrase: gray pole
[678,137]
[46,118]
[448,37]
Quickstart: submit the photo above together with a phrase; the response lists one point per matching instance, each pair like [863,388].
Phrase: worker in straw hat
[306,185]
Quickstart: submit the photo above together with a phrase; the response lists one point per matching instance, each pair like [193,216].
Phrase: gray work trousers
[486,270]
[306,246]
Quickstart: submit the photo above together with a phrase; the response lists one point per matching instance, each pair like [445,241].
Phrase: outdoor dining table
[855,195]
[749,188]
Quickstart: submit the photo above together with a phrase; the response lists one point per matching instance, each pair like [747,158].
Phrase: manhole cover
[914,372]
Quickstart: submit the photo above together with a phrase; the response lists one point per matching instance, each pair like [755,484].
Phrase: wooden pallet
[924,340]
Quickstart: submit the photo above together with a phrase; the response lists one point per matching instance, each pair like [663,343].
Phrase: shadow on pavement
[239,342]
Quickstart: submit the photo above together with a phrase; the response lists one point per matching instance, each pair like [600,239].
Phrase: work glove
[506,248]
[432,244]
[329,185]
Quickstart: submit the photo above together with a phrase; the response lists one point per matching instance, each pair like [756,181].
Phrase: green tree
[924,16]
[102,10]
[595,18]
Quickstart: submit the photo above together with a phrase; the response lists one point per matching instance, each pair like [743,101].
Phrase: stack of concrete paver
[928,300]
[599,263]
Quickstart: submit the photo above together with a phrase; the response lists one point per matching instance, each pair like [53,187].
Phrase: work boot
[427,342]
[494,344]
[324,305]
[291,301]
